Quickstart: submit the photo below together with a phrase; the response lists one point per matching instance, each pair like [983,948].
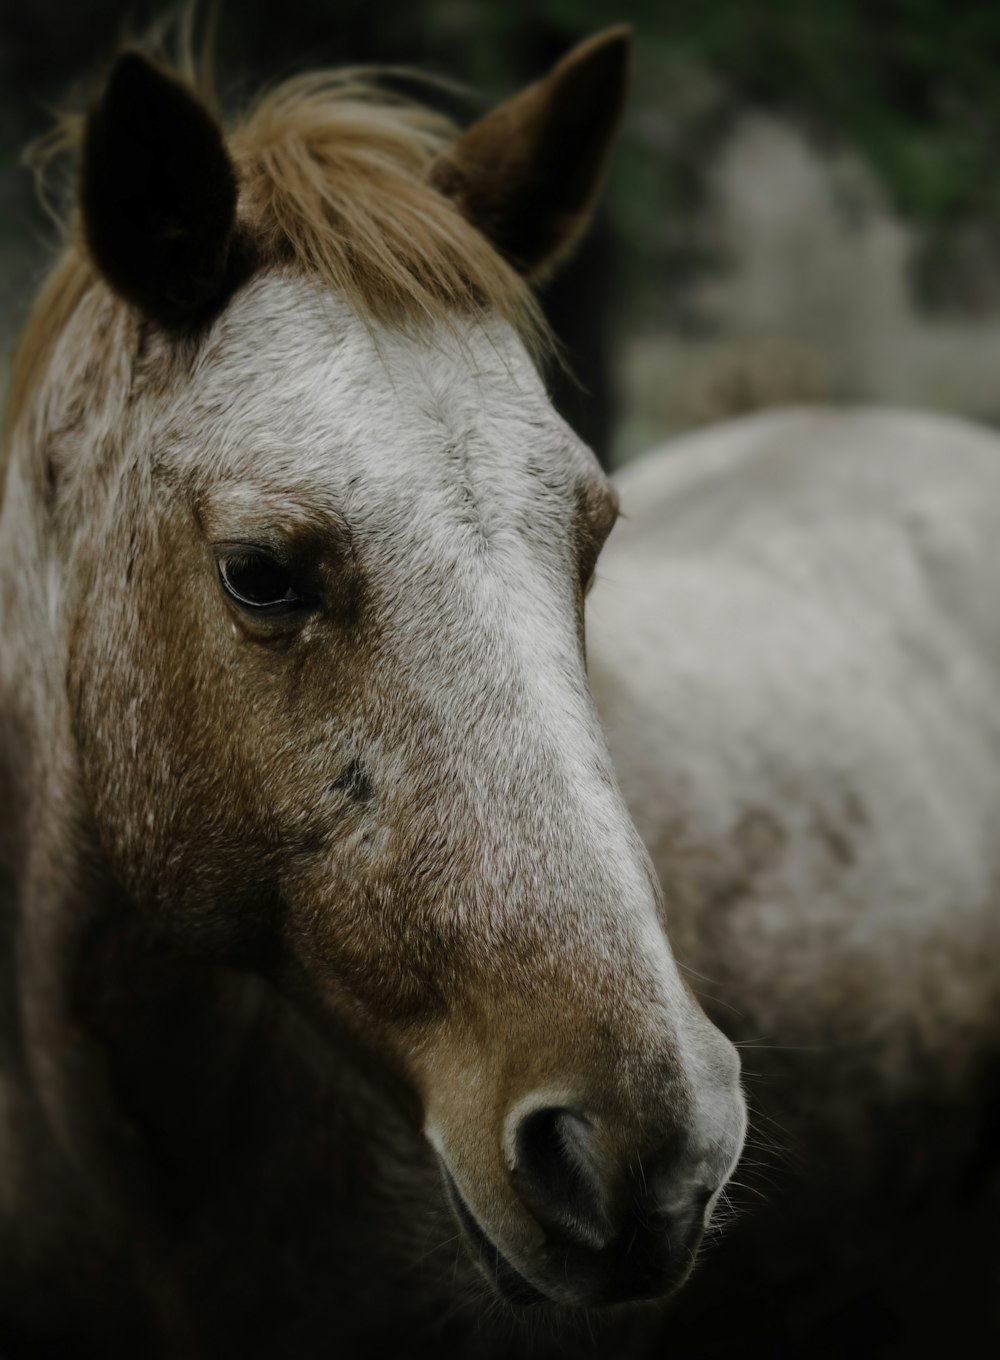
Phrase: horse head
[322,552]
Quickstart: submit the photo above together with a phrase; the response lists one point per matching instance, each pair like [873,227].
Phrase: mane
[333,183]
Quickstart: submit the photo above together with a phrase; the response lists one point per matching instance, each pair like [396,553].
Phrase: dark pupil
[258,580]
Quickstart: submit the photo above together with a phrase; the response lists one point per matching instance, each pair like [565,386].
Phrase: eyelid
[263,544]
[245,515]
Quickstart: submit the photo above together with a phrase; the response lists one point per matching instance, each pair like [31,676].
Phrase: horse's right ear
[158,194]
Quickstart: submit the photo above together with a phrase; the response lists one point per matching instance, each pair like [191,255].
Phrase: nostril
[558,1175]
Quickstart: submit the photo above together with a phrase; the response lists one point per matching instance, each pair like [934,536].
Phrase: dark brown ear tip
[137,86]
[598,68]
[135,80]
[608,47]
[618,35]
[130,66]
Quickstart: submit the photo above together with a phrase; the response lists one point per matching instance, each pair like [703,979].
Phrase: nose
[623,1225]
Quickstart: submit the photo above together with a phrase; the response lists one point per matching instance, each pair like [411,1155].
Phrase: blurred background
[805,205]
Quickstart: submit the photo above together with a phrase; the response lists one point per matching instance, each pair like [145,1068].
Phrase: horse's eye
[257,581]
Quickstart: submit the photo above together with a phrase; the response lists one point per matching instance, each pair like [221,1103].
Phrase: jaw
[509,1283]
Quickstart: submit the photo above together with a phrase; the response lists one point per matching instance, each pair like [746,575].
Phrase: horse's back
[809,580]
[844,503]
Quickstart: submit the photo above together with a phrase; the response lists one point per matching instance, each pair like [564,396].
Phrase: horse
[322,910]
[346,817]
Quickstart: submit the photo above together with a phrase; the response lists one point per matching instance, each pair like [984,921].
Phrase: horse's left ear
[527,174]
[158,194]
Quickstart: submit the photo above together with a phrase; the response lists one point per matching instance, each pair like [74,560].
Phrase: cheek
[368,937]
[141,705]
[174,756]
